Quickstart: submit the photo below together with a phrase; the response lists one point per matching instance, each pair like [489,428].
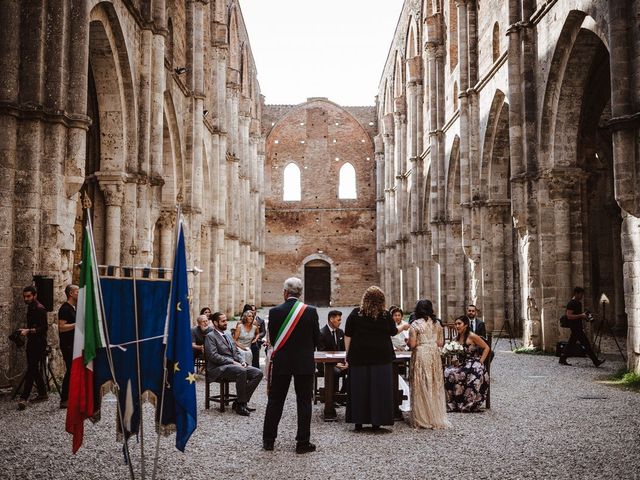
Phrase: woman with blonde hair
[367,339]
[245,334]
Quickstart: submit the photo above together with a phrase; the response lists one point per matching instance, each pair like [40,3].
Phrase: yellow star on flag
[191,377]
[176,368]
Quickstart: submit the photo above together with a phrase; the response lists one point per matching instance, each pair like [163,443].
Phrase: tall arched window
[453,34]
[496,41]
[291,183]
[347,186]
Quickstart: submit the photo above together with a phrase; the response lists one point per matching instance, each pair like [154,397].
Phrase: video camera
[17,338]
[590,317]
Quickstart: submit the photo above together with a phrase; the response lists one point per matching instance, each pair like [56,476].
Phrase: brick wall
[320,137]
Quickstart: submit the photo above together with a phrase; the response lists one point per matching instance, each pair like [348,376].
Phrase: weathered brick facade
[319,137]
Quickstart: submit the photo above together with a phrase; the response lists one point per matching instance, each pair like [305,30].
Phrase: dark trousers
[255,352]
[35,355]
[578,335]
[67,355]
[303,385]
[247,380]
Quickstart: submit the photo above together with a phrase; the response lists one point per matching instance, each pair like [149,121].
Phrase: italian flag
[88,338]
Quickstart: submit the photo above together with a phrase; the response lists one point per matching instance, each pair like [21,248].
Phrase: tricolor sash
[293,317]
[288,325]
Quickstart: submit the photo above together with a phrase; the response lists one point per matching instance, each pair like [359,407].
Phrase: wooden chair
[488,366]
[224,398]
[450,332]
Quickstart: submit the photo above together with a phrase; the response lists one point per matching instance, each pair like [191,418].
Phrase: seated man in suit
[225,361]
[332,340]
[476,325]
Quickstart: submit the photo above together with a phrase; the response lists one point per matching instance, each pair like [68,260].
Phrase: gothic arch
[291,191]
[579,31]
[453,212]
[173,155]
[398,77]
[117,103]
[234,42]
[412,47]
[494,181]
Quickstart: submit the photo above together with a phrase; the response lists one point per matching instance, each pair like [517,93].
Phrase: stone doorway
[317,283]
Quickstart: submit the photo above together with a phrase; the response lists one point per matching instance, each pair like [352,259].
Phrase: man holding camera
[36,333]
[575,315]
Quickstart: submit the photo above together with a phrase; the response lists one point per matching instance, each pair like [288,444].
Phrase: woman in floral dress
[466,384]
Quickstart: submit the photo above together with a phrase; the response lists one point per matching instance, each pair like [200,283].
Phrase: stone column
[167,234]
[204,262]
[561,188]
[113,191]
[631,274]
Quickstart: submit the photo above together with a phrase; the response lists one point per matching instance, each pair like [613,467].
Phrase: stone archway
[586,244]
[317,283]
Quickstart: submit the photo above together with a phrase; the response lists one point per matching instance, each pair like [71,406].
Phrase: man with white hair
[294,333]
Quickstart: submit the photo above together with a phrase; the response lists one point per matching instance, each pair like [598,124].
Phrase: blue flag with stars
[180,390]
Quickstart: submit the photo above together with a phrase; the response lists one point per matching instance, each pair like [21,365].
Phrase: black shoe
[40,398]
[63,404]
[267,445]
[358,427]
[242,410]
[597,363]
[563,361]
[305,447]
[249,409]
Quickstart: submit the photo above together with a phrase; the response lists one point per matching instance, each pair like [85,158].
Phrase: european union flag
[180,391]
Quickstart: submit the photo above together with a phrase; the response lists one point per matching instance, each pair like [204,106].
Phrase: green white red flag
[88,338]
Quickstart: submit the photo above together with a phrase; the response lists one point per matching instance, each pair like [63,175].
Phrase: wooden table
[331,358]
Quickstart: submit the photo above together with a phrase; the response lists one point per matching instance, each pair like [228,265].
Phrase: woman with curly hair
[367,339]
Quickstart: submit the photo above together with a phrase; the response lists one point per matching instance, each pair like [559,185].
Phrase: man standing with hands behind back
[293,332]
[66,328]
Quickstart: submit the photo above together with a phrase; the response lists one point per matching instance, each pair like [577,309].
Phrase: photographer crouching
[36,334]
[575,315]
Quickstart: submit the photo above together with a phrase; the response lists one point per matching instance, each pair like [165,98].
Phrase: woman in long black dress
[367,338]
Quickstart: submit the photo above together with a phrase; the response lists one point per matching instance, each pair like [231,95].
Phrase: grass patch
[626,379]
[531,351]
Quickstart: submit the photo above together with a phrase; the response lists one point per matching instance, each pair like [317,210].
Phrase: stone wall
[320,137]
[136,104]
[504,151]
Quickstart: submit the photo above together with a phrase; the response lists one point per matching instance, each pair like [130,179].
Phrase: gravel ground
[546,421]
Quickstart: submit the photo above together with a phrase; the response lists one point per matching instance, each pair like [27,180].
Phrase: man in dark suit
[294,334]
[476,325]
[225,361]
[332,340]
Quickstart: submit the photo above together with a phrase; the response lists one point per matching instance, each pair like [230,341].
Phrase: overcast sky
[320,48]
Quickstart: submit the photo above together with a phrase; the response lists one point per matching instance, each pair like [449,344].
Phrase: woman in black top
[367,338]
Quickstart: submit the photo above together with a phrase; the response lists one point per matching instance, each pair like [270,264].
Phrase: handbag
[565,322]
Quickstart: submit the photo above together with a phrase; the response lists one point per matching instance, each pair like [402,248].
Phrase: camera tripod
[506,328]
[45,371]
[603,326]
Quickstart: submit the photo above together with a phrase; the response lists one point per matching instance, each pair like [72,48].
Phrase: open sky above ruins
[329,48]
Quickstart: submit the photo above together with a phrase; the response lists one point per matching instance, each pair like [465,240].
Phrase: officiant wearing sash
[294,333]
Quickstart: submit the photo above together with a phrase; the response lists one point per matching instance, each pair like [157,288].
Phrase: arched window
[347,187]
[291,183]
[455,96]
[496,41]
[453,34]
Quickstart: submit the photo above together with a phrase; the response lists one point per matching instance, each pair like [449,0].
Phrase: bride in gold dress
[426,338]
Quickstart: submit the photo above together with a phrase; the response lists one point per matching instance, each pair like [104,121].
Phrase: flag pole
[86,203]
[133,251]
[164,340]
